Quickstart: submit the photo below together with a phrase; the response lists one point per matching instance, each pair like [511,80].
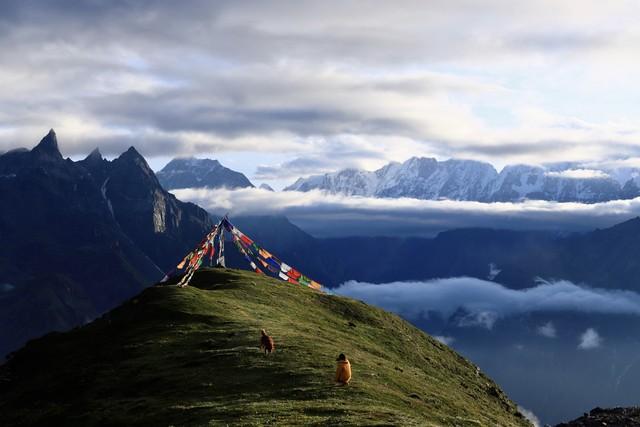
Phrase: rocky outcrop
[613,417]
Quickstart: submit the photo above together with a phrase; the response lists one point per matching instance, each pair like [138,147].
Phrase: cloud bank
[326,214]
[484,302]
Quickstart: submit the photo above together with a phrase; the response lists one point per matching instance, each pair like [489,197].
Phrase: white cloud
[547,330]
[579,174]
[484,319]
[446,340]
[590,339]
[320,211]
[529,415]
[484,302]
[493,271]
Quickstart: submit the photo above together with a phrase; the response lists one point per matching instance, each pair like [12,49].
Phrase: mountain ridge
[457,179]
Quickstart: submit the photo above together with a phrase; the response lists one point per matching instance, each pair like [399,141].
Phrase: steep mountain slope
[200,173]
[189,356]
[161,225]
[78,238]
[426,178]
[63,257]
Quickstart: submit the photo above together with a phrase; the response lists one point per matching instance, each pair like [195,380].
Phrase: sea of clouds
[486,302]
[324,214]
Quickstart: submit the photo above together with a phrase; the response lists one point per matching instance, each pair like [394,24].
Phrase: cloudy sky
[280,89]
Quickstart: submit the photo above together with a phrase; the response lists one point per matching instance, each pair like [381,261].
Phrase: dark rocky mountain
[78,238]
[164,227]
[613,417]
[200,173]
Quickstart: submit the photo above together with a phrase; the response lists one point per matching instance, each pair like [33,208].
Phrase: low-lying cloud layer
[328,215]
[486,302]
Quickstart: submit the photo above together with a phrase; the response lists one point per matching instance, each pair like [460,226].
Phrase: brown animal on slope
[266,343]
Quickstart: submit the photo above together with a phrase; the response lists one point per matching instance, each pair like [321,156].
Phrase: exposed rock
[612,417]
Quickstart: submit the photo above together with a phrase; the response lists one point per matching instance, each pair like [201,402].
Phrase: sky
[282,89]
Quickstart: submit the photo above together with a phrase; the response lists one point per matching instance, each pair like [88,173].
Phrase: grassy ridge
[189,357]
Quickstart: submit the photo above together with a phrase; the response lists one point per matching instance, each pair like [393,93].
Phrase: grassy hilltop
[189,356]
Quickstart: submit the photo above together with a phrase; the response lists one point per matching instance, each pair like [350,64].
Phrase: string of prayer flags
[193,260]
[271,263]
[257,257]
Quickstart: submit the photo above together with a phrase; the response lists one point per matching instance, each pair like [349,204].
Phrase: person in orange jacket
[343,372]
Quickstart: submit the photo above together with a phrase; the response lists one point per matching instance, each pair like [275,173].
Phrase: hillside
[189,356]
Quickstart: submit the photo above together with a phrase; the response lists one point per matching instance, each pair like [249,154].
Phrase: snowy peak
[200,173]
[418,177]
[427,178]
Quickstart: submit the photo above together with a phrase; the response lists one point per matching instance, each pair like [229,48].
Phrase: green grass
[190,356]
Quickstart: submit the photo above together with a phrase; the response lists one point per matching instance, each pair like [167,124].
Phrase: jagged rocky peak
[133,157]
[265,186]
[95,155]
[48,146]
[132,154]
[130,165]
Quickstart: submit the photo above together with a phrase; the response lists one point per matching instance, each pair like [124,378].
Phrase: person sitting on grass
[343,372]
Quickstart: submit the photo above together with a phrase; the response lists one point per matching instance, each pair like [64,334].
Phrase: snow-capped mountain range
[427,178]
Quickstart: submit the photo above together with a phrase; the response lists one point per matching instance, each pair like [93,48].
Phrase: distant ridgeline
[454,179]
[257,257]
